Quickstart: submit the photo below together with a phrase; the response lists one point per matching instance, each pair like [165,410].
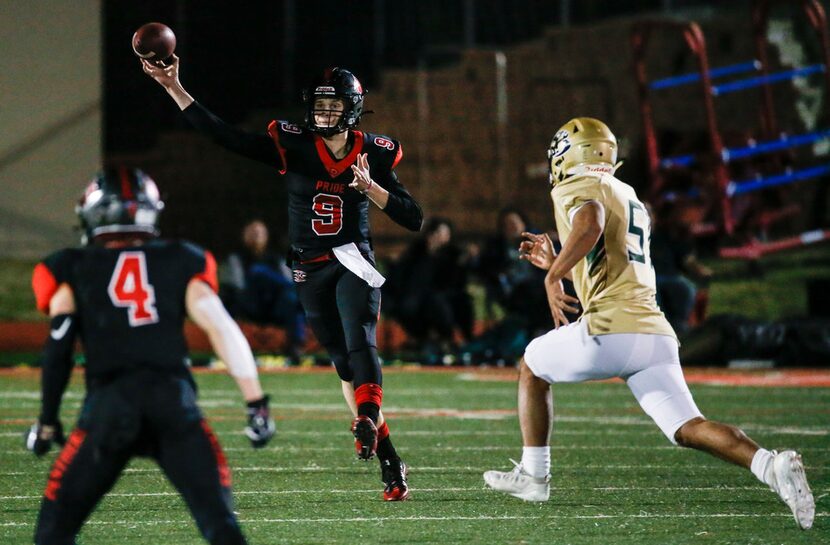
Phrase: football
[154,42]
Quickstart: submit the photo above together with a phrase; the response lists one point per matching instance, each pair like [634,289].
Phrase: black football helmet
[120,201]
[335,83]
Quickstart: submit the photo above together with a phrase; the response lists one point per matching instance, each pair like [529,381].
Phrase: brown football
[154,42]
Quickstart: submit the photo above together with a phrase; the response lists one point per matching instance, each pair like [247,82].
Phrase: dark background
[268,50]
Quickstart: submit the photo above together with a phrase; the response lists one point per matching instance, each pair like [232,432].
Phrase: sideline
[801,378]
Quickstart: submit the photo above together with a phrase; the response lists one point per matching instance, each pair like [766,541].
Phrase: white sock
[762,466]
[536,460]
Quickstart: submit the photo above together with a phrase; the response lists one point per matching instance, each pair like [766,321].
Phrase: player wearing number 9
[605,232]
[125,294]
[332,173]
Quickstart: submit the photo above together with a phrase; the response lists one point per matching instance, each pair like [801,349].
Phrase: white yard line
[424,469]
[452,448]
[759,488]
[641,515]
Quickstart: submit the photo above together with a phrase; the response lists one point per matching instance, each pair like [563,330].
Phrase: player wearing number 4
[332,173]
[605,231]
[125,295]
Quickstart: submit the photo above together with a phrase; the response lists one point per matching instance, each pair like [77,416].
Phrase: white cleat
[790,482]
[519,483]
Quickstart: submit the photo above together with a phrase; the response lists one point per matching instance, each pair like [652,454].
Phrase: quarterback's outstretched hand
[165,75]
[261,427]
[39,437]
[168,77]
[538,249]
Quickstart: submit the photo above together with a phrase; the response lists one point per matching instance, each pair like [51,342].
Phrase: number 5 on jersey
[130,288]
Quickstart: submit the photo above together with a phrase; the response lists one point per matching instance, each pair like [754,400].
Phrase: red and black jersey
[324,211]
[130,301]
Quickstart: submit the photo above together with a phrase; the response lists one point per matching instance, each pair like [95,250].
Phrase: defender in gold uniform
[605,232]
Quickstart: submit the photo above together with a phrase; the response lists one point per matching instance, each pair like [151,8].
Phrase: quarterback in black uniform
[332,173]
[125,295]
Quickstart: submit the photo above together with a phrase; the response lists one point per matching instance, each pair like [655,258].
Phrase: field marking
[452,448]
[486,415]
[488,433]
[291,391]
[422,518]
[433,469]
[759,488]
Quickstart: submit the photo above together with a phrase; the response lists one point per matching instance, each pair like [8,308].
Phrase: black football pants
[342,310]
[163,422]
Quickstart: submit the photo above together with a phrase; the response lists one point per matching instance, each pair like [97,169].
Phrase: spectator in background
[677,269]
[510,282]
[258,287]
[427,287]
[514,285]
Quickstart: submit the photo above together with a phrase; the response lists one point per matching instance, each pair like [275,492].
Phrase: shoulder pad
[285,133]
[201,265]
[48,276]
[389,150]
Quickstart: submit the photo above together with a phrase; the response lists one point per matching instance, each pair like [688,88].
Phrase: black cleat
[393,473]
[365,437]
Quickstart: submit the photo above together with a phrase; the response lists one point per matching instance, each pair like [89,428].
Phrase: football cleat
[393,473]
[790,483]
[519,483]
[365,437]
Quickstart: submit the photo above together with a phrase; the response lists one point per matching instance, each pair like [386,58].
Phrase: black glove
[261,427]
[40,436]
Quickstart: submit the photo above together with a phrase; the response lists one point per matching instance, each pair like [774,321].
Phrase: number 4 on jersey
[130,288]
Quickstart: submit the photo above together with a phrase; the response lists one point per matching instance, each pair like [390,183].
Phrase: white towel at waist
[352,259]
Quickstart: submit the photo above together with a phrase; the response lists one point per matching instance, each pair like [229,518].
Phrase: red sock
[383,432]
[368,398]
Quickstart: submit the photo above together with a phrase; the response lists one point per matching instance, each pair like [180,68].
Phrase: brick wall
[459,161]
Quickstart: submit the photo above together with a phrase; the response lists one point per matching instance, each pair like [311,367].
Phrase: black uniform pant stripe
[85,477]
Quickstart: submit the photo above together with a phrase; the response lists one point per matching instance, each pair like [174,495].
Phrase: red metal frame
[693,37]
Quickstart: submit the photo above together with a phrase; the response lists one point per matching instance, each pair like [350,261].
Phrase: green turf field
[616,480]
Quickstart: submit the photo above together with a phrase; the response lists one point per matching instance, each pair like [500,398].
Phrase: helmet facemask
[336,83]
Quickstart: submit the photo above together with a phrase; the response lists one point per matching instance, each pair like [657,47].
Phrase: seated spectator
[257,286]
[427,291]
[677,269]
[513,284]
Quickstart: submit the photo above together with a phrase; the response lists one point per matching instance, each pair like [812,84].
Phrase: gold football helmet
[583,144]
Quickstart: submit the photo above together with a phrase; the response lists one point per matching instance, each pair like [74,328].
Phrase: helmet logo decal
[324,90]
[559,145]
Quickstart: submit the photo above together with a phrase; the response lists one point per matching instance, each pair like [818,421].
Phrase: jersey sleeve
[286,136]
[575,194]
[48,276]
[201,265]
[256,146]
[390,151]
[401,207]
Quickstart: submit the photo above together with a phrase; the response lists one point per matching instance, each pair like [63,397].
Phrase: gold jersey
[615,281]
